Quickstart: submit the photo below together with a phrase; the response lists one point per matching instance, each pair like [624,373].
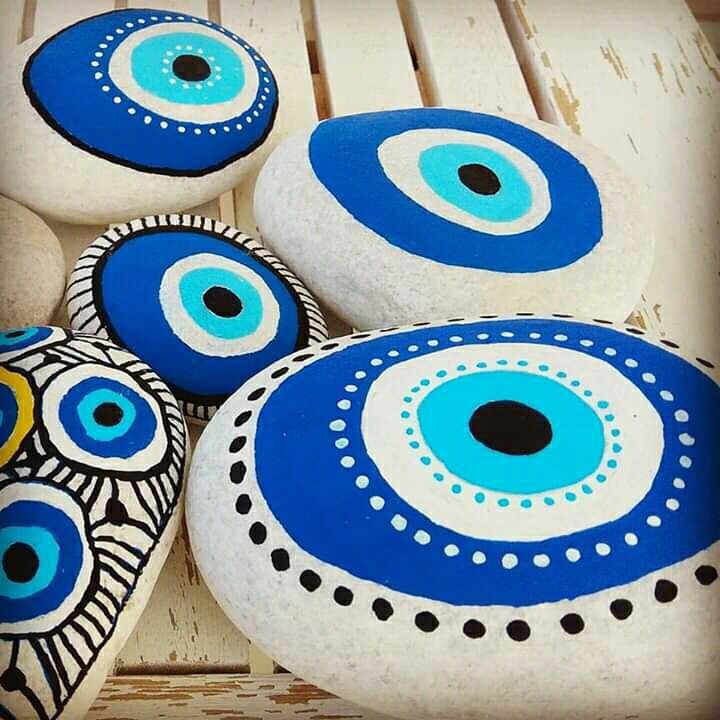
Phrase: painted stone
[161,109]
[92,458]
[428,213]
[32,267]
[203,304]
[472,518]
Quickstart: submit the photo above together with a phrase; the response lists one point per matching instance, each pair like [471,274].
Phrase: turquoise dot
[615,432]
[587,393]
[481,365]
[603,404]
[562,374]
[570,497]
[415,389]
[612,463]
[479,498]
[526,503]
[522,363]
[461,368]
[543,368]
[456,489]
[503,502]
[409,431]
[502,362]
[405,414]
[407,399]
[609,418]
[575,383]
[425,382]
[587,489]
[441,373]
[617,448]
[548,501]
[414,444]
[601,478]
[425,460]
[439,477]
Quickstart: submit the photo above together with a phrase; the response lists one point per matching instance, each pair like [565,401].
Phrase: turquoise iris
[439,167]
[196,283]
[46,551]
[105,433]
[575,451]
[160,53]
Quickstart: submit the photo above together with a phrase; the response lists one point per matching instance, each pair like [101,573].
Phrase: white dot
[413,348]
[163,124]
[347,461]
[119,31]
[377,503]
[393,353]
[181,128]
[648,377]
[509,561]
[131,111]
[685,461]
[631,363]
[166,61]
[198,86]
[602,549]
[535,335]
[541,560]
[200,50]
[210,83]
[337,425]
[344,404]
[507,334]
[610,351]
[455,339]
[154,18]
[360,374]
[341,443]
[654,521]
[98,75]
[186,86]
[351,388]
[679,483]
[572,554]
[482,336]
[398,522]
[451,550]
[109,37]
[117,100]
[687,440]
[188,47]
[421,537]
[682,416]
[261,106]
[94,63]
[105,88]
[376,361]
[147,119]
[197,131]
[165,71]
[561,337]
[433,343]
[667,395]
[141,21]
[256,113]
[586,343]
[129,24]
[217,67]
[212,131]
[478,557]
[672,504]
[172,81]
[98,54]
[226,128]
[238,126]
[631,539]
[362,481]
[178,47]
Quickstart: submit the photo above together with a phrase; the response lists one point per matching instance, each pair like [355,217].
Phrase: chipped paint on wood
[659,70]
[706,53]
[545,59]
[611,55]
[300,693]
[632,142]
[519,12]
[567,104]
[677,79]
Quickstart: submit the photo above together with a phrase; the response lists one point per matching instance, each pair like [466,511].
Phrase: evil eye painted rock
[526,507]
[204,305]
[429,213]
[92,464]
[163,110]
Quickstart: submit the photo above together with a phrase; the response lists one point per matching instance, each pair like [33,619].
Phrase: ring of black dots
[665,591]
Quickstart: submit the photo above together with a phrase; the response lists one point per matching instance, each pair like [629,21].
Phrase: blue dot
[562,374]
[526,503]
[414,444]
[456,489]
[479,498]
[617,448]
[425,460]
[405,414]
[415,389]
[609,418]
[587,489]
[522,363]
[615,432]
[407,399]
[548,501]
[543,368]
[439,477]
[612,463]
[425,382]
[587,393]
[503,502]
[601,478]
[481,365]
[409,431]
[441,373]
[603,404]
[575,383]
[461,368]
[502,362]
[570,497]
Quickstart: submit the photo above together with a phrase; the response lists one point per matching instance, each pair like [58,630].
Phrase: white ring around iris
[387,445]
[20,491]
[141,461]
[399,157]
[120,69]
[196,337]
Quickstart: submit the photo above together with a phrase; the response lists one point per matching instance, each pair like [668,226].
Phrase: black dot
[518,630]
[300,358]
[278,373]
[238,444]
[258,533]
[237,472]
[456,319]
[426,621]
[479,178]
[222,302]
[310,580]
[706,574]
[329,346]
[243,504]
[12,679]
[255,394]
[621,609]
[634,331]
[343,596]
[560,315]
[20,562]
[665,591]
[511,427]
[423,323]
[474,629]
[383,609]
[14,334]
[389,329]
[116,512]
[670,343]
[572,623]
[280,559]
[706,363]
[242,418]
[528,314]
[108,414]
[360,336]
[603,322]
[191,68]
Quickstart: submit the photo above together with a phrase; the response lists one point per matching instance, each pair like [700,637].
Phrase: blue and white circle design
[17,341]
[202,304]
[47,563]
[461,188]
[162,92]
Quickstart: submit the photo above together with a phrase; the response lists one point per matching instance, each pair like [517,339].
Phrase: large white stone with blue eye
[431,212]
[161,109]
[92,465]
[204,305]
[475,518]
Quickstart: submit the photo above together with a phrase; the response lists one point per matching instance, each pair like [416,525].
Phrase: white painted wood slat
[11,21]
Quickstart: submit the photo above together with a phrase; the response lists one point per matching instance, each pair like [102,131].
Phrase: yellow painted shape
[23,423]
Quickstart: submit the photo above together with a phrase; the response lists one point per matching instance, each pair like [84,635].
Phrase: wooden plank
[364,56]
[11,23]
[465,56]
[51,16]
[642,83]
[283,697]
[711,29]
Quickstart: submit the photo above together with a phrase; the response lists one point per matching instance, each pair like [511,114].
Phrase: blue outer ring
[196,378]
[315,499]
[117,136]
[343,154]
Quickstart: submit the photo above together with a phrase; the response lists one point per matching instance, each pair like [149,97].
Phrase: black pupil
[108,414]
[222,302]
[479,178]
[191,68]
[15,334]
[20,563]
[510,427]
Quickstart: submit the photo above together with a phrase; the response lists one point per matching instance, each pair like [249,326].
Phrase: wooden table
[636,77]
